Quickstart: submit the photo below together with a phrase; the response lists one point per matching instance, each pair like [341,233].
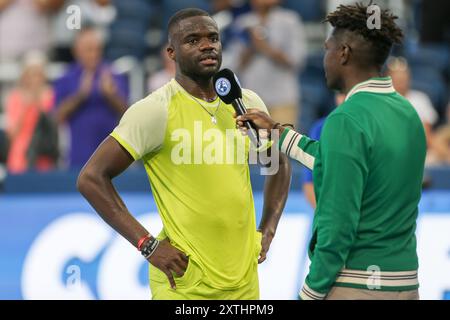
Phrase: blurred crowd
[70,68]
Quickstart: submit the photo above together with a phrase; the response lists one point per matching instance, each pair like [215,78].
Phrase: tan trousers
[343,293]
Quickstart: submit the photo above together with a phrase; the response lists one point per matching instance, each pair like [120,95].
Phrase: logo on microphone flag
[223,86]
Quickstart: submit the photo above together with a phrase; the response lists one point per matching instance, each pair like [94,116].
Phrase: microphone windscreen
[227,86]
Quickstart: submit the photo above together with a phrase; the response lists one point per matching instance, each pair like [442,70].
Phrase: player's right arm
[95,183]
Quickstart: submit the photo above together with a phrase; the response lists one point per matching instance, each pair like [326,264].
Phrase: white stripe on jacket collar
[374,85]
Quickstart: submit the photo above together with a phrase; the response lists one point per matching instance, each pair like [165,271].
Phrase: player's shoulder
[152,108]
[247,93]
[251,96]
[158,100]
[253,100]
[165,93]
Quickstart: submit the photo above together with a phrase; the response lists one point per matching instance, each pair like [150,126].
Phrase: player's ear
[345,52]
[171,52]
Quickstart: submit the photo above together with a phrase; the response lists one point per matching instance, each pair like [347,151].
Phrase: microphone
[229,90]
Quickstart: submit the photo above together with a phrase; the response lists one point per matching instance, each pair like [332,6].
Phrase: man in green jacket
[367,169]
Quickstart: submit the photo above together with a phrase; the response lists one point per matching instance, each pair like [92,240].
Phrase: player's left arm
[276,187]
[276,190]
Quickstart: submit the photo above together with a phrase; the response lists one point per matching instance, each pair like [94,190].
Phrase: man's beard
[196,73]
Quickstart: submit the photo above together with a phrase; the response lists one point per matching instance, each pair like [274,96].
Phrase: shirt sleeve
[142,127]
[252,100]
[344,151]
[299,147]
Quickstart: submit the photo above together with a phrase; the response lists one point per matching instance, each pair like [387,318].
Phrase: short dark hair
[354,18]
[184,14]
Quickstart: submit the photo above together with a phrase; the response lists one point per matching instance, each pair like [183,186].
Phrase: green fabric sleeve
[344,154]
[299,147]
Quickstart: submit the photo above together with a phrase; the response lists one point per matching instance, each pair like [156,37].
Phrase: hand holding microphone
[259,118]
[229,91]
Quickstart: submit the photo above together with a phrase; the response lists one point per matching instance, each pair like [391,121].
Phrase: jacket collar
[373,85]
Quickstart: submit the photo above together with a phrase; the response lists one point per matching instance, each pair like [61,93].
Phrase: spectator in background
[268,54]
[314,133]
[24,104]
[225,13]
[90,98]
[440,148]
[25,26]
[97,13]
[164,75]
[400,73]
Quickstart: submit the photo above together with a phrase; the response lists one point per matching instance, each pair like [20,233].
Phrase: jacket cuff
[309,294]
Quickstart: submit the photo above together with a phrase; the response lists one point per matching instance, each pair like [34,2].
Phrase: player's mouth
[209,60]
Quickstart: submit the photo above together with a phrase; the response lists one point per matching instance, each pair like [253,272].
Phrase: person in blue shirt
[314,133]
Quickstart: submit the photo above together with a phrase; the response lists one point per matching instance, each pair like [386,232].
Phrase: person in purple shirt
[90,98]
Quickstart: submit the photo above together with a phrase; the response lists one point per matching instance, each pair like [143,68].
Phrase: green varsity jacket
[367,172]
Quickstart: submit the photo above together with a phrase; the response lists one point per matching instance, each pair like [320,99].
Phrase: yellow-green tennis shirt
[200,179]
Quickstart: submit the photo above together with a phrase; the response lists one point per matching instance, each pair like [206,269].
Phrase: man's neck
[353,79]
[199,88]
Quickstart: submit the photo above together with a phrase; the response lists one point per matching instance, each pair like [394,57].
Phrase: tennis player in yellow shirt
[209,247]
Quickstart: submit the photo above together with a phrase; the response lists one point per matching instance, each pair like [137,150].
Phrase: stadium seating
[128,32]
[309,10]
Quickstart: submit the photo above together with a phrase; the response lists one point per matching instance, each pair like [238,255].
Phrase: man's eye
[193,41]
